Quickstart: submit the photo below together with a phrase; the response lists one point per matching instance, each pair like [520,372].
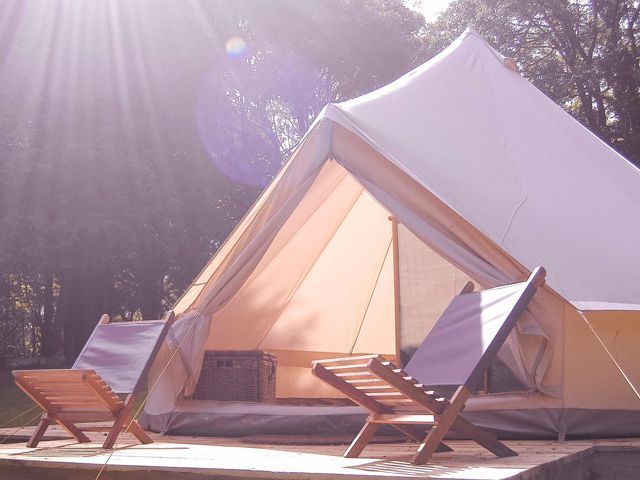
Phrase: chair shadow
[75,449]
[402,466]
[472,468]
[67,450]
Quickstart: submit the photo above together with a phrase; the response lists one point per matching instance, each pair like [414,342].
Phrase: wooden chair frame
[74,396]
[394,397]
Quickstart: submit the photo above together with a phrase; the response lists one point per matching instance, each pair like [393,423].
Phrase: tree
[258,102]
[133,142]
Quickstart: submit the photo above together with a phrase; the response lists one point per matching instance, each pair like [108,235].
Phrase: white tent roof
[515,165]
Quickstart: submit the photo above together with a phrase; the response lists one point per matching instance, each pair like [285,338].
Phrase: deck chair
[102,383]
[456,353]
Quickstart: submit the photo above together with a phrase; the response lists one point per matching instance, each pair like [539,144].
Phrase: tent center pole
[396,285]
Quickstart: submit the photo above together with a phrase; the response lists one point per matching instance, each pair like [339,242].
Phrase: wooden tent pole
[396,284]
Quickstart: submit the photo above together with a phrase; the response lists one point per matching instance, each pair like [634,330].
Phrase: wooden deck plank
[205,457]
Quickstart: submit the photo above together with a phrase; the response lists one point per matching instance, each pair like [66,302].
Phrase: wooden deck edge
[57,470]
[22,466]
[557,469]
[50,469]
[570,465]
[32,471]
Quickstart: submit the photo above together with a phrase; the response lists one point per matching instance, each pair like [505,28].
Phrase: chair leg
[46,421]
[73,430]
[429,446]
[440,429]
[122,419]
[483,437]
[37,435]
[115,431]
[139,432]
[362,439]
[419,434]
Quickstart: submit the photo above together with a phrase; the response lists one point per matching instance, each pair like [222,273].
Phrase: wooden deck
[223,458]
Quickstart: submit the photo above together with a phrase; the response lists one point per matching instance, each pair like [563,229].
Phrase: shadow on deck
[187,458]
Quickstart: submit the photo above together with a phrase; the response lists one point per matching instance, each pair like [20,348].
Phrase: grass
[13,402]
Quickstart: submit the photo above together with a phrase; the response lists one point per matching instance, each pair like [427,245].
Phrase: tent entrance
[339,278]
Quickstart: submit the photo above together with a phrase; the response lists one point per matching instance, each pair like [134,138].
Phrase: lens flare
[247,151]
[235,47]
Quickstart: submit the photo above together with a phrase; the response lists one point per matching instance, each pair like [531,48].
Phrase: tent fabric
[227,271]
[503,415]
[479,166]
[484,140]
[335,224]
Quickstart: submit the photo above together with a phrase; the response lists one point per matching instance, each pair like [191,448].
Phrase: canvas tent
[487,178]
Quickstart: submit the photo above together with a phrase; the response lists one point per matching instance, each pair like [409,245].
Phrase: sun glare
[235,47]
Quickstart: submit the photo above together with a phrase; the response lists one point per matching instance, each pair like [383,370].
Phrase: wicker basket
[241,375]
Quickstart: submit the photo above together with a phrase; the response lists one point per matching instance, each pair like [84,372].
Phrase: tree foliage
[132,139]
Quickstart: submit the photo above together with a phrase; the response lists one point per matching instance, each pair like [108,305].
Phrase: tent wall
[479,166]
[271,283]
[591,377]
[620,332]
[324,285]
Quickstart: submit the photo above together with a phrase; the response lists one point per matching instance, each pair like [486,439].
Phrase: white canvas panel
[515,165]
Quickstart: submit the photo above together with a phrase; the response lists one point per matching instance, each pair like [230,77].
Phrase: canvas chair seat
[102,383]
[456,352]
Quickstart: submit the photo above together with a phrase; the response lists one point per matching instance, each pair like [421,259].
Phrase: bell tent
[391,202]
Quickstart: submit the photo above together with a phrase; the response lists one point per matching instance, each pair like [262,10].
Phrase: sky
[431,8]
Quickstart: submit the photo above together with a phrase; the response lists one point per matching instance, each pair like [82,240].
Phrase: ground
[13,402]
[235,459]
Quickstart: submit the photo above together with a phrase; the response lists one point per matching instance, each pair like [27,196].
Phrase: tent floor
[242,419]
[225,458]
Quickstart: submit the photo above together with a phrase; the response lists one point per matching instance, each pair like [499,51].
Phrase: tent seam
[373,291]
[511,219]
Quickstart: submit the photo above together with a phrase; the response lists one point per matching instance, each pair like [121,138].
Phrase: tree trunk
[150,293]
[51,326]
[82,302]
